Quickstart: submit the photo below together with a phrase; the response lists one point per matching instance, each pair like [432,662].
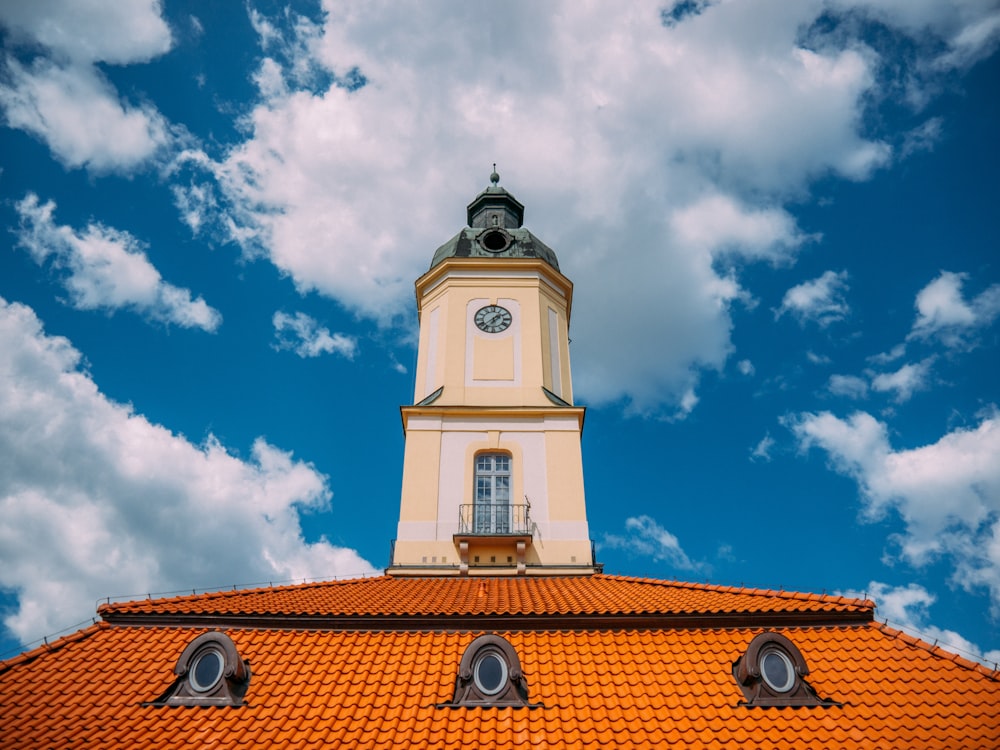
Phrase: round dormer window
[495,241]
[490,673]
[777,670]
[207,670]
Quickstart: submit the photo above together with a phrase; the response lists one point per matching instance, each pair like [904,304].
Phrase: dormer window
[209,672]
[490,675]
[772,673]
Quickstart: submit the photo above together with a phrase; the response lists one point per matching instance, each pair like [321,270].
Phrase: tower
[492,468]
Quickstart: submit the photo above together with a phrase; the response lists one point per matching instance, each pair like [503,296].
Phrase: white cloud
[947,493]
[303,335]
[96,501]
[95,31]
[762,451]
[80,116]
[944,314]
[65,100]
[106,269]
[905,381]
[820,300]
[745,367]
[892,355]
[849,386]
[908,608]
[645,537]
[634,147]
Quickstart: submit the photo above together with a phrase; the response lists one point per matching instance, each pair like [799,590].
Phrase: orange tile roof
[521,595]
[637,688]
[599,686]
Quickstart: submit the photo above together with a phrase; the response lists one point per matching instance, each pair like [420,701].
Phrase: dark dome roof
[495,217]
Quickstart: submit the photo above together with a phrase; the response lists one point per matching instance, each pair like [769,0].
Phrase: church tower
[493,470]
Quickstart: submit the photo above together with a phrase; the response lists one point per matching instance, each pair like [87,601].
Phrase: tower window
[492,509]
[495,240]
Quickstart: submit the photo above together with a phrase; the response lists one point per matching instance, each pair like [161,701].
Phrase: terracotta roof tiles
[597,686]
[522,595]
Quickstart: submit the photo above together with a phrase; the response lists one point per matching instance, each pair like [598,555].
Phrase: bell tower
[492,469]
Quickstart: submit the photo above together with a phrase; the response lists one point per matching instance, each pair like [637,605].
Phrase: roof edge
[491,621]
[25,657]
[939,651]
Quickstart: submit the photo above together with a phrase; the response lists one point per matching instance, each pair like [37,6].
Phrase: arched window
[490,675]
[209,673]
[491,513]
[772,673]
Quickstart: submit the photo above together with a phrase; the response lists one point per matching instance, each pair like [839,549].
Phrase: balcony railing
[494,519]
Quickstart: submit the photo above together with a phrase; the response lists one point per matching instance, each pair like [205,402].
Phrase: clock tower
[492,469]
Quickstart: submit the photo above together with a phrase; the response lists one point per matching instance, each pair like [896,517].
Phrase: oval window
[490,673]
[777,671]
[495,241]
[207,670]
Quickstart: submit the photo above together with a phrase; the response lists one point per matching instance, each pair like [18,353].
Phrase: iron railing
[493,519]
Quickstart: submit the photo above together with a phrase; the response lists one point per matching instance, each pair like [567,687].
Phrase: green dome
[495,217]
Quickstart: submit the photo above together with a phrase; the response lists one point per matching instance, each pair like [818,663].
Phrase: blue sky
[779,216]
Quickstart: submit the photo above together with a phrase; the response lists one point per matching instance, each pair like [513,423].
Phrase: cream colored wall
[453,353]
[438,477]
[492,401]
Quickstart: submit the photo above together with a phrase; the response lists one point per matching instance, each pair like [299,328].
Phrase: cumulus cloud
[106,269]
[81,117]
[342,161]
[849,386]
[820,300]
[371,120]
[905,381]
[97,31]
[944,314]
[64,99]
[908,608]
[303,335]
[762,451]
[95,500]
[947,493]
[645,537]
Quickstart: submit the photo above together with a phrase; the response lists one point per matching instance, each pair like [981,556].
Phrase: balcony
[494,519]
[493,526]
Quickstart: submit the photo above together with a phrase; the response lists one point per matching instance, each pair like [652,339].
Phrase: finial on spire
[495,178]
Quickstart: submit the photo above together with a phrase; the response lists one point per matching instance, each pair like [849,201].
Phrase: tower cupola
[495,230]
[495,207]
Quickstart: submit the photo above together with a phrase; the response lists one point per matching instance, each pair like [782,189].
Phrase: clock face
[493,319]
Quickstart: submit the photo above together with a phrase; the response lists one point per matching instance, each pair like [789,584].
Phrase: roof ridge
[230,592]
[935,650]
[750,591]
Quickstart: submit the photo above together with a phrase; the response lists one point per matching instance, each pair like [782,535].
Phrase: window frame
[492,488]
